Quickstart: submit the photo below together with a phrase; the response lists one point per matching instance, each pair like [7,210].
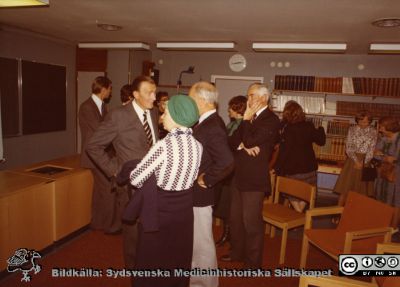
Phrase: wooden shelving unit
[335,148]
[335,94]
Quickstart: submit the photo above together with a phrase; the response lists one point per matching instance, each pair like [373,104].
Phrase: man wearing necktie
[252,144]
[132,129]
[91,114]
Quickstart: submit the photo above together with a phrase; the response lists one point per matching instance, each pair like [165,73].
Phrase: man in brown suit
[91,114]
[132,129]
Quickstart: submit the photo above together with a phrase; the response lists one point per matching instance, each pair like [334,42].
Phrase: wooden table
[38,209]
[26,213]
[72,193]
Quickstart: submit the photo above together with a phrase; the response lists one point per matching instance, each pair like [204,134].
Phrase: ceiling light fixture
[136,45]
[109,27]
[300,47]
[215,46]
[385,48]
[23,3]
[386,22]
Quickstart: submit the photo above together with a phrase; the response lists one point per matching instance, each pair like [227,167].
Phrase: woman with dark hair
[126,94]
[360,144]
[161,100]
[236,108]
[387,185]
[296,158]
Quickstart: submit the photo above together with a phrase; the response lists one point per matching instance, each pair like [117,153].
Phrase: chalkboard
[9,96]
[42,104]
[43,97]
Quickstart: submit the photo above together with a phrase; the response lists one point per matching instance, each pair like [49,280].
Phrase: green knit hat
[183,110]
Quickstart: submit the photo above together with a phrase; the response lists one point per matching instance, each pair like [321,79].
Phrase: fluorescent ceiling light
[23,3]
[385,48]
[299,47]
[138,45]
[196,45]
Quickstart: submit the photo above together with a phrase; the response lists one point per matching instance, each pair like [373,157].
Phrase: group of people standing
[366,146]
[174,178]
[166,175]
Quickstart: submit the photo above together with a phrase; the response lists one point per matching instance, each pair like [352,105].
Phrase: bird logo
[24,260]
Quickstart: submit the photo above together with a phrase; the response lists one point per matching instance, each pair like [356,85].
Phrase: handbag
[368,173]
[387,171]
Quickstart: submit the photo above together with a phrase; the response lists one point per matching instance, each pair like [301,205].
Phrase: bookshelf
[377,87]
[336,130]
[335,112]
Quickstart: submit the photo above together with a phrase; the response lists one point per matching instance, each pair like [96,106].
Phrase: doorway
[229,87]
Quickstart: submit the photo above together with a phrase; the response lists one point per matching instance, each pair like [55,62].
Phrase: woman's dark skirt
[171,247]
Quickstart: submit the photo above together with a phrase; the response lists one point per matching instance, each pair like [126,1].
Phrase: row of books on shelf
[332,127]
[377,86]
[377,110]
[346,85]
[334,149]
[310,104]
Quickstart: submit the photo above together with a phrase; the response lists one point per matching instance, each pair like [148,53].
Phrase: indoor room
[199,143]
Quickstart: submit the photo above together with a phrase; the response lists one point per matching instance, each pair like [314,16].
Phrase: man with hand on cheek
[252,144]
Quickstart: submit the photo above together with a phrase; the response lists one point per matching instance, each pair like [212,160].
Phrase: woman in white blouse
[360,145]
[173,164]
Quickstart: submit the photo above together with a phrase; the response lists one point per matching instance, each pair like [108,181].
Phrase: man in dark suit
[252,143]
[132,129]
[216,164]
[91,114]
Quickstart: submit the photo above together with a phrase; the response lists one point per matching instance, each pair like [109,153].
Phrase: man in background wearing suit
[91,114]
[252,143]
[132,129]
[216,164]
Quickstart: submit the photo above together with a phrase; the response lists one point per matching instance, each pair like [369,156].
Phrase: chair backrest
[296,188]
[362,212]
[390,248]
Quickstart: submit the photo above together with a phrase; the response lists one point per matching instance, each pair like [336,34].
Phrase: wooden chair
[334,281]
[364,223]
[281,215]
[270,198]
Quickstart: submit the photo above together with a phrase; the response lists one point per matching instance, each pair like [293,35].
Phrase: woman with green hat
[174,161]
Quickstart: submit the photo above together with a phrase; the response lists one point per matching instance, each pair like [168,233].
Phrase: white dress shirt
[140,112]
[261,110]
[206,115]
[98,102]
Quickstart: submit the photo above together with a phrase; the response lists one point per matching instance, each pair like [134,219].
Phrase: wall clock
[237,63]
